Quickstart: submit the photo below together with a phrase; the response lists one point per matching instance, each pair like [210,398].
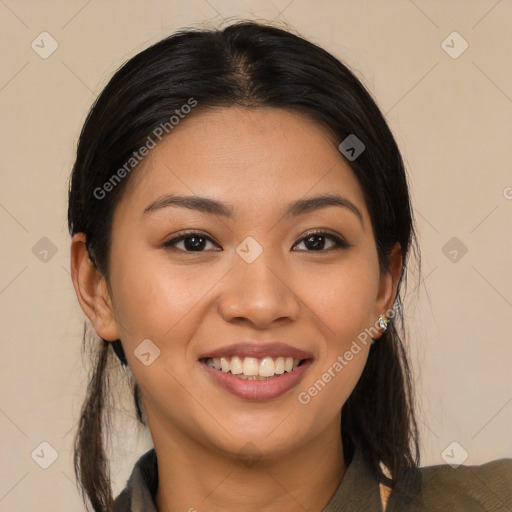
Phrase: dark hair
[252,65]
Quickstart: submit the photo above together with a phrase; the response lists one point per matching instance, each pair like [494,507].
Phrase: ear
[91,290]
[388,285]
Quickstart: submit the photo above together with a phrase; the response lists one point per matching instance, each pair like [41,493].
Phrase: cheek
[342,299]
[153,299]
[162,304]
[321,397]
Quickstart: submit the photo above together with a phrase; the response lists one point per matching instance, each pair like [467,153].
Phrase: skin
[256,161]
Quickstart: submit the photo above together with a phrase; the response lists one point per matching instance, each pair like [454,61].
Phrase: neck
[194,478]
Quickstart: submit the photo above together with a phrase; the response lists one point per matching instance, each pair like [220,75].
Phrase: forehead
[253,159]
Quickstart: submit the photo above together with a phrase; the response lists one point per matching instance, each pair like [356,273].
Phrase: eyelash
[339,242]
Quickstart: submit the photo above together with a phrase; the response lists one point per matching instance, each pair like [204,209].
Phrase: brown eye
[192,242]
[317,240]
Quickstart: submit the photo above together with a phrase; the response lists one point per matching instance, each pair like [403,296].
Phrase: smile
[254,378]
[254,368]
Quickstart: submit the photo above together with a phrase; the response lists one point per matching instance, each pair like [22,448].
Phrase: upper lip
[257,350]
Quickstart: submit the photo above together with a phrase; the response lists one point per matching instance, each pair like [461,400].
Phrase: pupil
[315,246]
[189,245]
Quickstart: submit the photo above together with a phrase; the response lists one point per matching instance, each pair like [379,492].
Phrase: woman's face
[249,275]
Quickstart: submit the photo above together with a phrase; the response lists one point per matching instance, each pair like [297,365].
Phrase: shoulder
[477,488]
[476,473]
[487,485]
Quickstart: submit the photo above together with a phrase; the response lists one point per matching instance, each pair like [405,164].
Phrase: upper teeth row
[264,367]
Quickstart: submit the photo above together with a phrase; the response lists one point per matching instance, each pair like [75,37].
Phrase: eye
[193,241]
[316,240]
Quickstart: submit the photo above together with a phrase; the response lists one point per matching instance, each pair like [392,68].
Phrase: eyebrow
[214,207]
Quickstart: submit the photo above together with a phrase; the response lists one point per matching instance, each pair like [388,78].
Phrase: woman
[241,227]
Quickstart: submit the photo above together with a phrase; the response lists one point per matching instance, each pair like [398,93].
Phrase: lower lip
[258,389]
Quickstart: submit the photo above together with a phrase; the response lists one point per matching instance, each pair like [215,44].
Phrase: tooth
[266,368]
[279,365]
[224,364]
[236,365]
[254,368]
[250,366]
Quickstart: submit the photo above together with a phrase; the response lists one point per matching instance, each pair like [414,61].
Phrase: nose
[258,293]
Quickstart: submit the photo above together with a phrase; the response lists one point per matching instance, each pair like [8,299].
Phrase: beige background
[452,118]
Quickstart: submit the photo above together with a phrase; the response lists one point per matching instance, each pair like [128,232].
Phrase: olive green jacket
[483,488]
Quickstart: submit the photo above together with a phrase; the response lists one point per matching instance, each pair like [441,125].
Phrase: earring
[383,322]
